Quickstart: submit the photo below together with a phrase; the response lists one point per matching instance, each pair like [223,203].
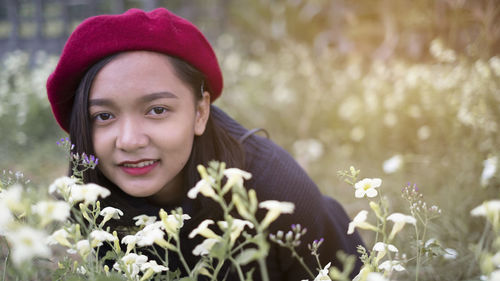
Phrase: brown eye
[158,110]
[103,116]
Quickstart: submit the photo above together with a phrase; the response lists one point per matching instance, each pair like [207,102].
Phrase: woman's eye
[103,116]
[158,110]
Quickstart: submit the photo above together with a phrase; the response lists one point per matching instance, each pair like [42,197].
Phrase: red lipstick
[138,168]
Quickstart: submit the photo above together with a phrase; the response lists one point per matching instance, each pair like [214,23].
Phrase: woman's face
[144,119]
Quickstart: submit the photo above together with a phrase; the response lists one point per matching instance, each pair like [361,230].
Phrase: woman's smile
[138,168]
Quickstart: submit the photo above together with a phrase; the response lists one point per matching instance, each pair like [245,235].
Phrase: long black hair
[214,144]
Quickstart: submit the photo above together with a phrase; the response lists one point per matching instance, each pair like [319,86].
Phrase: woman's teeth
[139,165]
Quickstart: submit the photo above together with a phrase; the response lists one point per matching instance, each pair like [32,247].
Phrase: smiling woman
[139,98]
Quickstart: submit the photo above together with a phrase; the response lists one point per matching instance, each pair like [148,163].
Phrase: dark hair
[214,144]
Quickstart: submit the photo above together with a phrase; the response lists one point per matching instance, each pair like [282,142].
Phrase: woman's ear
[202,113]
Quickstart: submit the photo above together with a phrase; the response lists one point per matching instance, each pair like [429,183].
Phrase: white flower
[11,198]
[203,230]
[203,186]
[51,210]
[173,222]
[152,233]
[492,206]
[489,170]
[367,186]
[110,213]
[83,247]
[391,265]
[154,266]
[236,228]
[275,209]
[130,241]
[375,276]
[399,222]
[59,236]
[81,270]
[494,276]
[100,236]
[450,254]
[382,249]
[381,246]
[87,193]
[204,247]
[236,176]
[62,185]
[5,217]
[360,221]
[143,220]
[131,264]
[393,164]
[26,244]
[323,274]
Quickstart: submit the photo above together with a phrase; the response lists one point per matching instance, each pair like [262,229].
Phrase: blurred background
[408,91]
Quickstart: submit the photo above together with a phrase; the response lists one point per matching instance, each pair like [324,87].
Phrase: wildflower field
[393,109]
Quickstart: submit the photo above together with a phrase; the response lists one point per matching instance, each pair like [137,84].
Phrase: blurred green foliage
[337,83]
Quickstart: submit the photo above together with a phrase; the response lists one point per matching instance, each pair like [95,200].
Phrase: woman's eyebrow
[158,95]
[144,99]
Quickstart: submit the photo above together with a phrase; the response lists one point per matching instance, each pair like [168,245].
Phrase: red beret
[98,37]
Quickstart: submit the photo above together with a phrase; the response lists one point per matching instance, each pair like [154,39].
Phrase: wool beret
[98,37]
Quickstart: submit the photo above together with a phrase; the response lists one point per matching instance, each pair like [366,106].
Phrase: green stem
[417,269]
[301,260]
[263,269]
[216,271]
[238,269]
[181,257]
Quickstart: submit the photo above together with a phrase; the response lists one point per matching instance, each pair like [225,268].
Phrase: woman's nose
[131,136]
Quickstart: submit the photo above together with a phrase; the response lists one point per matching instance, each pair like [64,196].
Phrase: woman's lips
[138,168]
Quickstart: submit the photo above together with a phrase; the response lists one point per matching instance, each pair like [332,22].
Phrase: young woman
[136,90]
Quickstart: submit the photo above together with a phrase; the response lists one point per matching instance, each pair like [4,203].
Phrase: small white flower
[323,274]
[236,228]
[450,254]
[83,247]
[59,236]
[380,247]
[152,233]
[26,244]
[203,230]
[360,221]
[391,265]
[367,187]
[131,264]
[130,241]
[399,222]
[11,198]
[393,164]
[110,213]
[375,276]
[5,217]
[173,222]
[203,186]
[154,266]
[143,220]
[492,206]
[62,185]
[275,208]
[236,176]
[100,236]
[81,270]
[51,210]
[87,193]
[489,170]
[204,247]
